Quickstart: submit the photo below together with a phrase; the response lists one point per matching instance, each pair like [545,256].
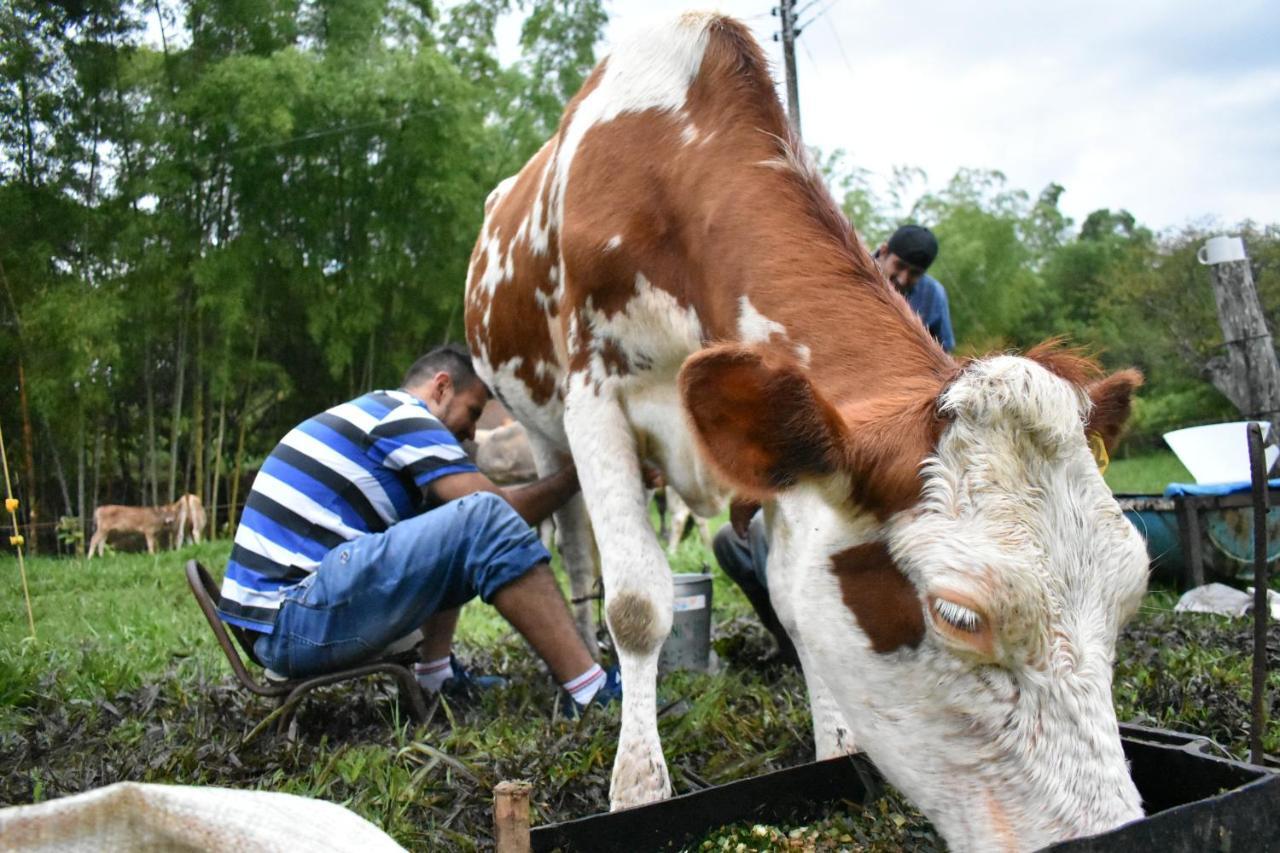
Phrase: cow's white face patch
[1017,542]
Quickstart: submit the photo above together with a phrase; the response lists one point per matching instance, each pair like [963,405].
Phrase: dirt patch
[430,787]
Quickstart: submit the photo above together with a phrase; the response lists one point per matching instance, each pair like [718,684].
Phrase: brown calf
[147,520]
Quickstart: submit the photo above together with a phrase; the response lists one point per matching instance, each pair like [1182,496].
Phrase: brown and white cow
[150,521]
[668,281]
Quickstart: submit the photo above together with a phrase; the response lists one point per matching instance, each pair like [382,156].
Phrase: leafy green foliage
[268,211]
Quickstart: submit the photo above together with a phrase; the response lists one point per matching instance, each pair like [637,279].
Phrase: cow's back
[611,255]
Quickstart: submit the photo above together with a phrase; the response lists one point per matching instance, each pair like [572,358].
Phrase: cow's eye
[958,617]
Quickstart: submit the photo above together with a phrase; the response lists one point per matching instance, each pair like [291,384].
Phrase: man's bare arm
[533,502]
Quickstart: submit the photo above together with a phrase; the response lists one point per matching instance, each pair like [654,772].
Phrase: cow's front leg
[832,734]
[574,540]
[637,580]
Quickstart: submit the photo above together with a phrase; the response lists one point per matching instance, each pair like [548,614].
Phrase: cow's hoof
[836,744]
[639,783]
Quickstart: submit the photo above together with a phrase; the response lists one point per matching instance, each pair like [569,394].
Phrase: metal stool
[288,693]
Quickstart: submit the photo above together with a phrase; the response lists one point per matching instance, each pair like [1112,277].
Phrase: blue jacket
[928,298]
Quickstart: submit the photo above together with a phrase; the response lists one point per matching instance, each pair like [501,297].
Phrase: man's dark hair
[915,244]
[453,359]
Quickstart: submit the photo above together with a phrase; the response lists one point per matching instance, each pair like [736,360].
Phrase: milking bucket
[689,645]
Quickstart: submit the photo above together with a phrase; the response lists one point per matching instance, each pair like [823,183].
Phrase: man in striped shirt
[368,521]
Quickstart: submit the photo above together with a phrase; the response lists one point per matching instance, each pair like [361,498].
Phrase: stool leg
[290,706]
[412,691]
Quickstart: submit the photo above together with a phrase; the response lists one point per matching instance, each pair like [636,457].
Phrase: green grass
[124,681]
[102,625]
[1145,475]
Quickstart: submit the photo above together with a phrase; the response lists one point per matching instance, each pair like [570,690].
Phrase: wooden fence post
[511,817]
[1248,373]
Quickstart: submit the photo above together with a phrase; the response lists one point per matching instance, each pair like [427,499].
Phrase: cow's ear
[761,422]
[1112,398]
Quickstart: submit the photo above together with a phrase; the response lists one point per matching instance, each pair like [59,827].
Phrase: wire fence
[64,538]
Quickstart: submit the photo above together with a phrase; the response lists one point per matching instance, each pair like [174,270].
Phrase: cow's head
[958,570]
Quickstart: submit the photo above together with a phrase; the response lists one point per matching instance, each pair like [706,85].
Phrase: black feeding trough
[1195,802]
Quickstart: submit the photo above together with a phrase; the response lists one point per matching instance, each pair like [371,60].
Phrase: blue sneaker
[465,681]
[609,692]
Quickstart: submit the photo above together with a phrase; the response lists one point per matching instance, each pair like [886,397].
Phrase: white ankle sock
[584,688]
[433,674]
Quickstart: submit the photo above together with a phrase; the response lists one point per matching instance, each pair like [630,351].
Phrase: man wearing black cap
[903,260]
[740,547]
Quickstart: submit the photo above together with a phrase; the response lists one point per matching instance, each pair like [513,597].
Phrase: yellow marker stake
[16,540]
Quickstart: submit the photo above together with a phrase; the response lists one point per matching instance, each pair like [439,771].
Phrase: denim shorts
[377,588]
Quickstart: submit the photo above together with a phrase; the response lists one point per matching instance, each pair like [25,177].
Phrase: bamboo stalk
[180,372]
[198,448]
[243,427]
[217,458]
[11,504]
[28,454]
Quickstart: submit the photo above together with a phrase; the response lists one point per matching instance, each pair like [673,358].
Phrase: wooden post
[1248,373]
[511,817]
[1261,604]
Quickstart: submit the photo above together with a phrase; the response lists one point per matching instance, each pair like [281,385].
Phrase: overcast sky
[1169,108]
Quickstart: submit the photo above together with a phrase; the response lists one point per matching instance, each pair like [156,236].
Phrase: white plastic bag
[131,816]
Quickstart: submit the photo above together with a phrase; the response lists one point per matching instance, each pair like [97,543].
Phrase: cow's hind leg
[637,580]
[575,542]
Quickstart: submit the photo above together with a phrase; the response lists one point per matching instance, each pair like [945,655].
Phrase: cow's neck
[860,339]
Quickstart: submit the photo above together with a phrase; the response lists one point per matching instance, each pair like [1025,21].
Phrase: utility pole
[786,10]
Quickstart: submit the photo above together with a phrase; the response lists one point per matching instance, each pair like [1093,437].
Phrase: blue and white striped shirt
[357,468]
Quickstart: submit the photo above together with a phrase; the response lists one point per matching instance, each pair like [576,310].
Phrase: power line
[840,44]
[317,134]
[809,54]
[807,6]
[824,10]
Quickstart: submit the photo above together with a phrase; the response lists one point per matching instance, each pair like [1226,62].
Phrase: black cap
[915,244]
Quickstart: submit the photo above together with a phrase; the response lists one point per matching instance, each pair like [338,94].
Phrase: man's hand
[740,513]
[533,502]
